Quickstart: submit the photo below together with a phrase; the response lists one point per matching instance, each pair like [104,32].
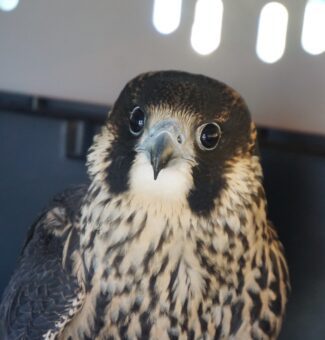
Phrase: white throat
[171,186]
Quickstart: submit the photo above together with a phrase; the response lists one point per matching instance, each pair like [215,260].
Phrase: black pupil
[210,136]
[137,120]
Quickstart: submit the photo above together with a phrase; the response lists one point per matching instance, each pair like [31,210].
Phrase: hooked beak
[163,144]
[161,153]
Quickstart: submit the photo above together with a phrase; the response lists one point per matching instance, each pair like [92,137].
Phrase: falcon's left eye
[137,120]
[208,136]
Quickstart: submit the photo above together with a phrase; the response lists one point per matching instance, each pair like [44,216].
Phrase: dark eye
[208,136]
[137,120]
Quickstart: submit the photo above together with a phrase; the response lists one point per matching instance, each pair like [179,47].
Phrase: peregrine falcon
[170,240]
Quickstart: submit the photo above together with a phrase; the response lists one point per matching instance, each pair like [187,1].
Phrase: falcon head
[174,138]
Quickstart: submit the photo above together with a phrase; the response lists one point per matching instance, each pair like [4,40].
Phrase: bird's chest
[171,301]
[149,279]
[153,290]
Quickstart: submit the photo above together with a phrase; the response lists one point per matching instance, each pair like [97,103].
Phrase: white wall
[88,49]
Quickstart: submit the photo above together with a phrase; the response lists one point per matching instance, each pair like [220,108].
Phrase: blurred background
[63,63]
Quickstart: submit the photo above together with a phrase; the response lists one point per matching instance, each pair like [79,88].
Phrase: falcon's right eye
[137,120]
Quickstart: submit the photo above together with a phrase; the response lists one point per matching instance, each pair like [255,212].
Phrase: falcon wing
[43,294]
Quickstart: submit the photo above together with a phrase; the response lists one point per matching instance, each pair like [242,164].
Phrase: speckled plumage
[190,255]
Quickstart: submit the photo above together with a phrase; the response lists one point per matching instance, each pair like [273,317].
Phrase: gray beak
[163,144]
[161,153]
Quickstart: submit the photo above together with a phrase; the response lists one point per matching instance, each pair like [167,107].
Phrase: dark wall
[295,186]
[33,167]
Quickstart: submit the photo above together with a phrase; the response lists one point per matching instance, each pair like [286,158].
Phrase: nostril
[180,139]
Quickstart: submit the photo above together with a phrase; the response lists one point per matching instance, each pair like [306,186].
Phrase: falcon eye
[208,136]
[137,120]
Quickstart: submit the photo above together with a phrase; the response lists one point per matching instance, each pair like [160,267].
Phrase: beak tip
[155,168]
[155,173]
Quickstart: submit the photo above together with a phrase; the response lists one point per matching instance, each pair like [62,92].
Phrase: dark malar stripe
[201,198]
[122,155]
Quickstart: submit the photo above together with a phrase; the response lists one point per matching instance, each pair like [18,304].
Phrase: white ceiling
[87,50]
